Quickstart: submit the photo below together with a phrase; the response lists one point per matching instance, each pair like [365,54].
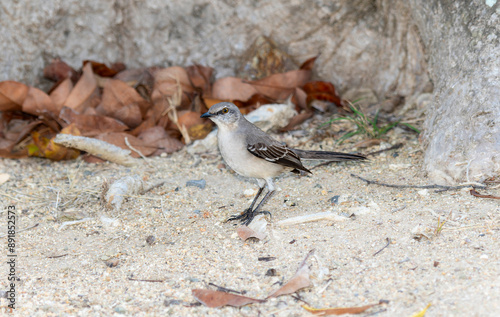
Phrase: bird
[253,153]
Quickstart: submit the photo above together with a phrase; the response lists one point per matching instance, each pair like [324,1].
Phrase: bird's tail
[325,155]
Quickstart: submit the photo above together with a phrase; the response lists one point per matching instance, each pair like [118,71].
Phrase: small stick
[136,151]
[150,281]
[21,230]
[226,290]
[56,256]
[476,194]
[153,186]
[439,187]
[394,147]
[385,246]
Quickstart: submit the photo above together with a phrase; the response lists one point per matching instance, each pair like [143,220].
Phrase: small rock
[112,263]
[197,211]
[221,166]
[250,192]
[318,186]
[483,257]
[271,272]
[150,240]
[335,199]
[290,203]
[423,192]
[120,310]
[197,183]
[169,302]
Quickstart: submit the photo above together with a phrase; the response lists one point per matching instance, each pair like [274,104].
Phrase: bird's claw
[247,216]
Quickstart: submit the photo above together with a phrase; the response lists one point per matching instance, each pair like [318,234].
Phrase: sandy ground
[62,268]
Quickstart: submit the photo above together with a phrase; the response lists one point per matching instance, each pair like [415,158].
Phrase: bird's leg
[247,213]
[256,211]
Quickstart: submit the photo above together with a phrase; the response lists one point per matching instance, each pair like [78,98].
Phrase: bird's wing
[277,153]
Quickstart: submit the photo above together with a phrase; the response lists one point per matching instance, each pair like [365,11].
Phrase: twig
[226,290]
[56,256]
[476,194]
[21,230]
[385,246]
[96,147]
[439,187]
[394,147]
[141,280]
[153,186]
[137,151]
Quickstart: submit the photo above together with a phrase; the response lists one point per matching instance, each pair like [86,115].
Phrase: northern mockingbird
[250,152]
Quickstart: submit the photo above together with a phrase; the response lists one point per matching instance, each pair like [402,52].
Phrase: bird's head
[223,113]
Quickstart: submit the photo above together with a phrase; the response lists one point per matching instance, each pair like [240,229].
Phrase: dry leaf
[83,90]
[281,86]
[232,88]
[321,90]
[298,119]
[309,64]
[298,281]
[61,92]
[103,70]
[38,102]
[91,125]
[338,311]
[167,81]
[12,95]
[160,140]
[200,77]
[58,70]
[213,299]
[45,147]
[123,103]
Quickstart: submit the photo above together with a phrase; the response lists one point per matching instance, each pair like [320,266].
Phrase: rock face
[393,47]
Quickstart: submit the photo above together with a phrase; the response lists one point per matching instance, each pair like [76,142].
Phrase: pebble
[335,199]
[150,240]
[120,310]
[197,183]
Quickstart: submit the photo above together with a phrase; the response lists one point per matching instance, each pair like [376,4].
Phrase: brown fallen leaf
[38,102]
[298,281]
[47,148]
[91,125]
[61,92]
[167,82]
[123,102]
[473,192]
[12,95]
[321,90]
[297,119]
[232,88]
[309,64]
[338,311]
[214,299]
[160,140]
[58,70]
[82,92]
[103,70]
[200,77]
[281,86]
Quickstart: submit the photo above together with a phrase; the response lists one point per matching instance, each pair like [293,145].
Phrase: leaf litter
[111,103]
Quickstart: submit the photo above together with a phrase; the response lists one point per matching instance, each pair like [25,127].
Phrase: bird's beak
[206,115]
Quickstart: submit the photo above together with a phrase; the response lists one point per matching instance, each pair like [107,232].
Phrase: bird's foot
[247,216]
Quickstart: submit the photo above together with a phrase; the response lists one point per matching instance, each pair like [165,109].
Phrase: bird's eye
[225,110]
